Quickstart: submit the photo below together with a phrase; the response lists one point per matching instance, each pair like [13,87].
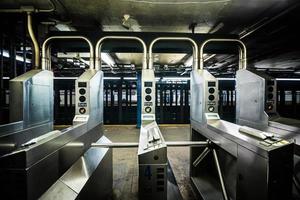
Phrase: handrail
[99,46]
[242,51]
[44,52]
[195,49]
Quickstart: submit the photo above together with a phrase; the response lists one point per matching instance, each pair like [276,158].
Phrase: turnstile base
[173,190]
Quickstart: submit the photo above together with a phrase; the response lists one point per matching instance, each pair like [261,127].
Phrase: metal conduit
[99,46]
[45,58]
[34,41]
[194,44]
[242,52]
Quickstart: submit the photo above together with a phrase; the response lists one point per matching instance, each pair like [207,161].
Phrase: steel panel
[31,98]
[250,99]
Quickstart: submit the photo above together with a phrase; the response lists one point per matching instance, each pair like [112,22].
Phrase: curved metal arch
[242,51]
[45,64]
[194,45]
[99,45]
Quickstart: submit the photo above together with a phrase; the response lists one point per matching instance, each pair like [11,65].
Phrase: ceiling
[224,16]
[199,16]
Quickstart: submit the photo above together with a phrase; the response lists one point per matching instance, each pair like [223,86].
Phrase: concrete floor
[125,166]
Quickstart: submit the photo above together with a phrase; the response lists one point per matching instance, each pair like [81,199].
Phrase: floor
[125,169]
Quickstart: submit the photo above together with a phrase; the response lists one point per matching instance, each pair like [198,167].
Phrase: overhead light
[130,78]
[189,62]
[64,27]
[107,59]
[18,58]
[288,79]
[112,78]
[174,78]
[217,27]
[226,79]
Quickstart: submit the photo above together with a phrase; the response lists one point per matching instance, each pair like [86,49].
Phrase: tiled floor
[125,165]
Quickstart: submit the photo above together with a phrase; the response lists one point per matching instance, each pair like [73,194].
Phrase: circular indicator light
[82,110]
[211,109]
[211,97]
[148,90]
[270,96]
[82,91]
[271,89]
[148,98]
[81,98]
[211,90]
[148,109]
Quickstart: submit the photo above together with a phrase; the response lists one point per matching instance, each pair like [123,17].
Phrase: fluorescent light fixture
[112,78]
[18,58]
[130,78]
[226,79]
[65,78]
[189,62]
[288,79]
[173,78]
[5,78]
[107,59]
[64,27]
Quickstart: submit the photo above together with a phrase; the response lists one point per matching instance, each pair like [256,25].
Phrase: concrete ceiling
[207,16]
[224,16]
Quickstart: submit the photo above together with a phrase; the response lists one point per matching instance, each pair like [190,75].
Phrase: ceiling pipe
[29,10]
[45,57]
[23,9]
[99,46]
[242,52]
[245,34]
[34,41]
[194,45]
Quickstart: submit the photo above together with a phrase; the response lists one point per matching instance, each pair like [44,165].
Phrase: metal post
[116,145]
[1,70]
[12,53]
[220,174]
[139,99]
[201,157]
[24,44]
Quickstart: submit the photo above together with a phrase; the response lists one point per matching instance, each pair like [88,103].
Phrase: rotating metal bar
[135,144]
[187,144]
[201,157]
[220,174]
[116,145]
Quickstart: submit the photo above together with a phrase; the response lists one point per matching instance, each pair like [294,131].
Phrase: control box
[89,98]
[270,95]
[204,96]
[148,95]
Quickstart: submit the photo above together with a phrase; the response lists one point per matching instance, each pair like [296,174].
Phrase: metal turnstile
[251,164]
[30,170]
[261,106]
[152,159]
[31,109]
